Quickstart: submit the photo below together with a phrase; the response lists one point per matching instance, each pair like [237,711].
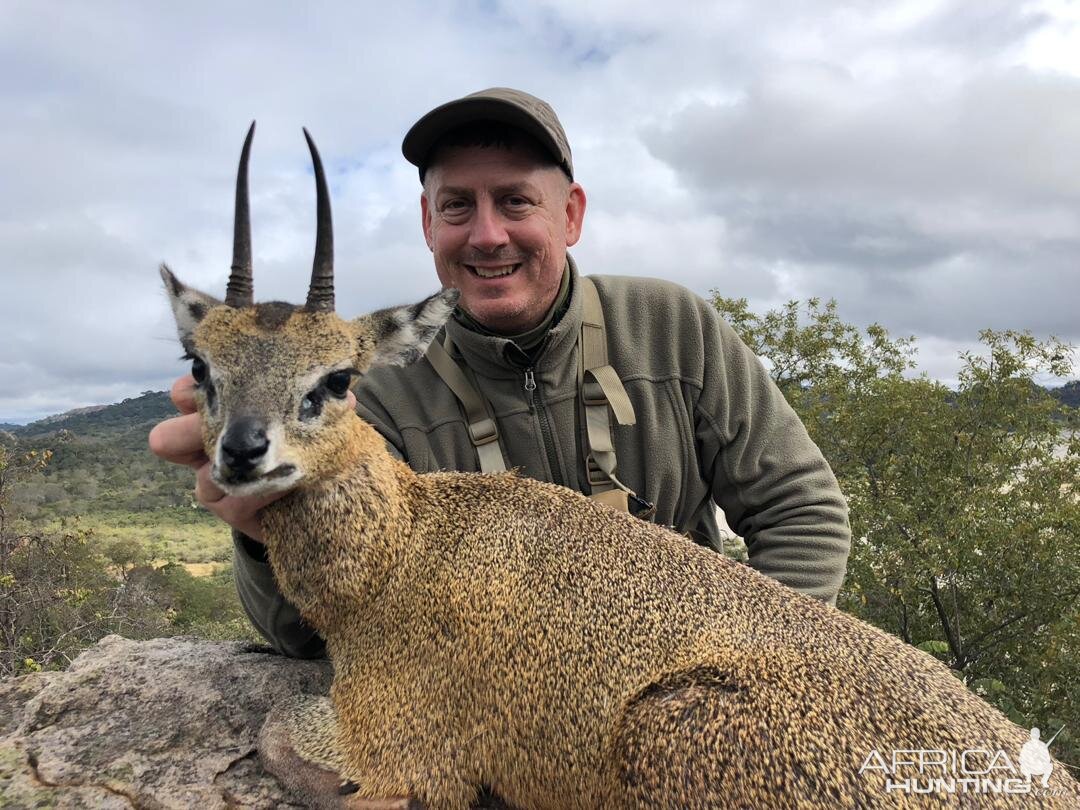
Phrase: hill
[102,471]
[101,460]
[103,420]
[101,463]
[1068,394]
[100,453]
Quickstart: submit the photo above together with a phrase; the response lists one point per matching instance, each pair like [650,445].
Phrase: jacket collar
[498,357]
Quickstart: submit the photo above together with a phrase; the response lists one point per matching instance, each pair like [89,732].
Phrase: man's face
[498,222]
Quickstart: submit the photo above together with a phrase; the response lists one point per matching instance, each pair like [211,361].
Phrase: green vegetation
[965,512]
[180,534]
[97,536]
[100,463]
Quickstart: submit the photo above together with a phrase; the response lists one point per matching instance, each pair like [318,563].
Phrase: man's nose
[488,231]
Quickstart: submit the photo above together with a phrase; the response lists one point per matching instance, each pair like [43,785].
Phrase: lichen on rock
[170,722]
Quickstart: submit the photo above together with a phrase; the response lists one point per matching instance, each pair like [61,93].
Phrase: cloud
[914,159]
[940,207]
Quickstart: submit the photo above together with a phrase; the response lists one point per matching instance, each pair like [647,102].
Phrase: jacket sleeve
[271,613]
[774,485]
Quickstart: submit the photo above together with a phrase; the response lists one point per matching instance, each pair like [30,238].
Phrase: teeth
[493,272]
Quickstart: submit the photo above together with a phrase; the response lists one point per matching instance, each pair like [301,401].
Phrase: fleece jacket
[711,429]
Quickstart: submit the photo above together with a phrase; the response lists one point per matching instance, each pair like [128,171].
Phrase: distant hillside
[60,417]
[1068,394]
[103,420]
[101,460]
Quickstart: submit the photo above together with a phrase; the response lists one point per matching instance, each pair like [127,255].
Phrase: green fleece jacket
[712,428]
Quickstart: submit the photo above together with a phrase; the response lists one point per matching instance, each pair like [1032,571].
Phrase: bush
[965,512]
[64,588]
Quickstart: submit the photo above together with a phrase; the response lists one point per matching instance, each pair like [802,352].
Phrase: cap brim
[424,134]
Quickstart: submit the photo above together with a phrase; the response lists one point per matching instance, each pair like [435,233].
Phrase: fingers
[179,440]
[183,394]
[206,491]
[240,513]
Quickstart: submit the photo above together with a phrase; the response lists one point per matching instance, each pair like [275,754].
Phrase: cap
[514,107]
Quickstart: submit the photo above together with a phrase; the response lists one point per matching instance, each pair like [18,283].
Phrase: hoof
[297,744]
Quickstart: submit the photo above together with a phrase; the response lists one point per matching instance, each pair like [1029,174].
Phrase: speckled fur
[264,362]
[494,630]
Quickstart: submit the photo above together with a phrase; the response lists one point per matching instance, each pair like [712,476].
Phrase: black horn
[240,290]
[321,292]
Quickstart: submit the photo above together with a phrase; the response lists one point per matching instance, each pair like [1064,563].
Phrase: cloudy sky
[917,161]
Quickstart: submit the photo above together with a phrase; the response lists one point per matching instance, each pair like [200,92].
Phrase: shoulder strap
[596,370]
[483,432]
[600,388]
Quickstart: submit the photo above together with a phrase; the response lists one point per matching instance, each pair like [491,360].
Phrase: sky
[917,161]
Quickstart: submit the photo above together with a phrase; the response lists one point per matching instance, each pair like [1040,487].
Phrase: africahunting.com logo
[975,770]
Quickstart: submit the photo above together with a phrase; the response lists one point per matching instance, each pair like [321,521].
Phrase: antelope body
[490,630]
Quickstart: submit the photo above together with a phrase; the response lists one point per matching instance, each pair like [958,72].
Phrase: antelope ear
[189,306]
[402,334]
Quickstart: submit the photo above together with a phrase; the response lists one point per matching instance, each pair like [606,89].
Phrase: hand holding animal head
[271,379]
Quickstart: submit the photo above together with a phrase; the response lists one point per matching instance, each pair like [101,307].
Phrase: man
[537,360]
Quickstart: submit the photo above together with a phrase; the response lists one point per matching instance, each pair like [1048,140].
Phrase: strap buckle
[592,393]
[483,432]
[641,508]
[596,475]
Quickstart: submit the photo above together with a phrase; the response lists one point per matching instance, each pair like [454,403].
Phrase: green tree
[964,505]
[58,592]
[62,590]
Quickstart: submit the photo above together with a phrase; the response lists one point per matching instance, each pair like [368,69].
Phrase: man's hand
[179,440]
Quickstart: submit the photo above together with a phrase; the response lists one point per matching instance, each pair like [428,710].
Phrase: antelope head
[271,379]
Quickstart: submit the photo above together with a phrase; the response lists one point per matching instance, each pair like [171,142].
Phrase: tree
[965,511]
[57,592]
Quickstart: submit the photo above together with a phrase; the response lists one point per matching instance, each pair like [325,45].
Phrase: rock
[170,722]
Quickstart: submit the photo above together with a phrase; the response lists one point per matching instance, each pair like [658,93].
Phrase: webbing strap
[611,389]
[482,428]
[600,387]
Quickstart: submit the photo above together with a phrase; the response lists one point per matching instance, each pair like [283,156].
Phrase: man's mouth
[492,271]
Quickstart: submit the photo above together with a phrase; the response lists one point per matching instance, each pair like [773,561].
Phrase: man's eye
[455,206]
[338,383]
[198,371]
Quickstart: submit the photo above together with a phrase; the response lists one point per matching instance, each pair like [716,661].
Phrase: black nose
[243,444]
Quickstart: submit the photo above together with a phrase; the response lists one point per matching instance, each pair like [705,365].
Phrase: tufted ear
[189,306]
[402,334]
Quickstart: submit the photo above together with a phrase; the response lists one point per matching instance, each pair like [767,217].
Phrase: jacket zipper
[536,405]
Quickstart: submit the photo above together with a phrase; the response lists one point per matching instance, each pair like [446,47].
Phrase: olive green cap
[513,107]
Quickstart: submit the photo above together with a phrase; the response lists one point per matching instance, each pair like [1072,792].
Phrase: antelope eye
[338,383]
[198,371]
[311,406]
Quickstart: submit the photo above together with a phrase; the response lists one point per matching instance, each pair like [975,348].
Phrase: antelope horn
[240,290]
[321,292]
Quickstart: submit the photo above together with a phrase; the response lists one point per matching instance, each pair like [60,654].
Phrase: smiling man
[632,391]
[498,221]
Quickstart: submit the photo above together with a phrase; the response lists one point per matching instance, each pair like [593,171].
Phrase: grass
[191,537]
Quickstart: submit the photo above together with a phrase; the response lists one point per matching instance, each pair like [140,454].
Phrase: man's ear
[189,306]
[575,213]
[402,334]
[425,220]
